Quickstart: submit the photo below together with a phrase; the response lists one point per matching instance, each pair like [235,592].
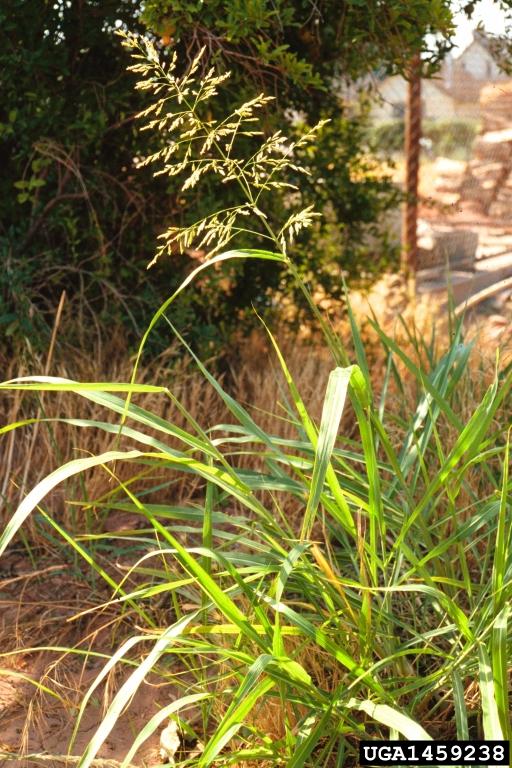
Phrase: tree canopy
[77,211]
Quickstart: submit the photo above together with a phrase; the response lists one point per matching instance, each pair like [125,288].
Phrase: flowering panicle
[196,146]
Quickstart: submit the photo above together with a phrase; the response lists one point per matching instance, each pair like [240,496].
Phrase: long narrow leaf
[334,404]
[53,479]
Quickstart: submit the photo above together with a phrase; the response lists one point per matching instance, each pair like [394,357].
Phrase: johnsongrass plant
[377,607]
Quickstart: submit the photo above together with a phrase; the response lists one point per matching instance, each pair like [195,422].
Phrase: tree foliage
[75,215]
[79,212]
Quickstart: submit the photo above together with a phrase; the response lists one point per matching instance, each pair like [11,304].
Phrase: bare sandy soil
[37,607]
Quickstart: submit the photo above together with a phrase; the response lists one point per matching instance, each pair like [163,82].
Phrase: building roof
[481,37]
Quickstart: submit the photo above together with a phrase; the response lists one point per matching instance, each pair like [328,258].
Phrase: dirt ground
[38,607]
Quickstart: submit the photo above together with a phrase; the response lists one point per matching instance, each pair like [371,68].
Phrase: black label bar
[378,753]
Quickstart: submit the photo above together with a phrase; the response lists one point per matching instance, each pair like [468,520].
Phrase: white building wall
[479,63]
[437,104]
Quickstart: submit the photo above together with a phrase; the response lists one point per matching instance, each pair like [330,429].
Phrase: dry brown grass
[253,378]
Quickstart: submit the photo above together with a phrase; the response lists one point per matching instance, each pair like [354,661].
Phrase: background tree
[74,212]
[77,211]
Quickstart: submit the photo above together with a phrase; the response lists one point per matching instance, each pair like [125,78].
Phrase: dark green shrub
[388,136]
[451,137]
[448,137]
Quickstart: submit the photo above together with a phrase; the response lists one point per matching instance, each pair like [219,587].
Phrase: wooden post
[412,164]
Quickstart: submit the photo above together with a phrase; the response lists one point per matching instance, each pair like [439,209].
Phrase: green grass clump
[318,589]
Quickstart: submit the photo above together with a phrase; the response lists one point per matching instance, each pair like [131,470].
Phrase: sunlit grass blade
[490,714]
[502,536]
[420,375]
[341,509]
[249,692]
[334,404]
[13,674]
[459,703]
[59,384]
[108,667]
[305,747]
[150,727]
[129,688]
[391,718]
[53,479]
[500,668]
